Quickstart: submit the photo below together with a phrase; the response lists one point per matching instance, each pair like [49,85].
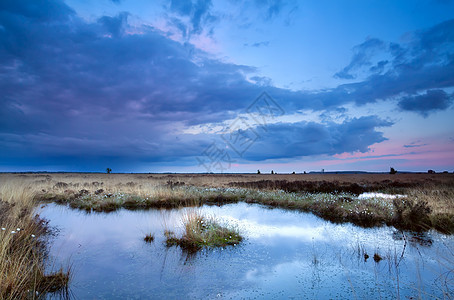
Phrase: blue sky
[226,86]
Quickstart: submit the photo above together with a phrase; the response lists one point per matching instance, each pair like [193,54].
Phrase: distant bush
[392,171]
[431,171]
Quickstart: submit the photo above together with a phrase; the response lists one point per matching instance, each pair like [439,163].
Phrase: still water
[285,254]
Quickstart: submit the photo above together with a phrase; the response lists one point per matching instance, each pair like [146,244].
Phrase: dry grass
[22,245]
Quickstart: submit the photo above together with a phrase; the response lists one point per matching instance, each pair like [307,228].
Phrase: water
[285,254]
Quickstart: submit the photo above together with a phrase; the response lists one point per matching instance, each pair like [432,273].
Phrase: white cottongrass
[379,195]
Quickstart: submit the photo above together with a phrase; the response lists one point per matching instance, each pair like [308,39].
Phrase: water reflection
[284,254]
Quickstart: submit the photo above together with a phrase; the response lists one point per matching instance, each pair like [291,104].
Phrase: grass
[336,207]
[377,257]
[149,238]
[429,203]
[201,231]
[23,247]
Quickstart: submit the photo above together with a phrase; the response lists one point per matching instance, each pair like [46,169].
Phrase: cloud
[431,101]
[416,144]
[425,62]
[312,139]
[43,11]
[362,57]
[273,8]
[261,80]
[259,44]
[115,25]
[182,7]
[146,76]
[379,67]
[197,11]
[77,90]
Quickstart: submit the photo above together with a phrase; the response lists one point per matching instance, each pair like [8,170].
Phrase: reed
[23,246]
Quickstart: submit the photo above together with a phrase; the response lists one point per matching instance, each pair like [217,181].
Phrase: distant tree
[304,172]
[431,171]
[108,170]
[392,171]
[445,172]
[293,173]
[272,172]
[258,171]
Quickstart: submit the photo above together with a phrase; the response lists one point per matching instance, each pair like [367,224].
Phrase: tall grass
[23,246]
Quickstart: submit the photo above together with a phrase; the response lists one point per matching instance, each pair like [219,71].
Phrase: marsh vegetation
[23,249]
[202,231]
[427,202]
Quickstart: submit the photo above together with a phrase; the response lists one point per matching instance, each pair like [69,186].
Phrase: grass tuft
[377,258]
[149,238]
[201,231]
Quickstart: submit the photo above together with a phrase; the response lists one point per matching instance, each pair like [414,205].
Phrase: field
[423,202]
[428,201]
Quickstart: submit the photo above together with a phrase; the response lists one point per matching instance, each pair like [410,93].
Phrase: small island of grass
[201,231]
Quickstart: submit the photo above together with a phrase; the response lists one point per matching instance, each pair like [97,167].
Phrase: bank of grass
[23,247]
[201,231]
[429,202]
[336,207]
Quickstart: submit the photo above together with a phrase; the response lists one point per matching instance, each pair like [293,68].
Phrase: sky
[226,86]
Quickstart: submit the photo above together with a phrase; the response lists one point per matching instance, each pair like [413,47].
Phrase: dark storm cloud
[309,138]
[75,88]
[432,100]
[62,71]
